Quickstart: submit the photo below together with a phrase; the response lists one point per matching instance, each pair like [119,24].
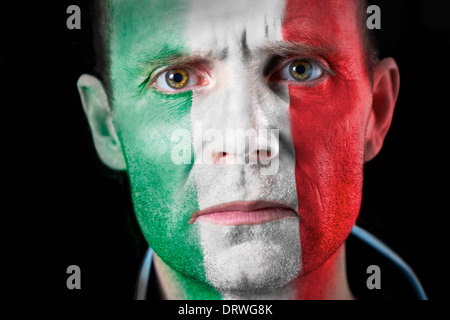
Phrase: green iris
[301,70]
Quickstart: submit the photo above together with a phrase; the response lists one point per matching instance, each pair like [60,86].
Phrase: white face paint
[251,257]
[245,257]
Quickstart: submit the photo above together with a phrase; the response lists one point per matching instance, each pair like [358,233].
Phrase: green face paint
[164,194]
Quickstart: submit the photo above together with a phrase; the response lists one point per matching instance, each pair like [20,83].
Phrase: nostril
[266,154]
[220,157]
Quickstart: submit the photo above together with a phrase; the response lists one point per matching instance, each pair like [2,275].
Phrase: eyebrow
[166,56]
[276,48]
[179,58]
[291,48]
[282,48]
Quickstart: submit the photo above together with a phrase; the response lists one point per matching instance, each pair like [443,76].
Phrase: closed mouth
[244,213]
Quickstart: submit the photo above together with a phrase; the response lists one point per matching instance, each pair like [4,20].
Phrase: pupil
[300,69]
[177,77]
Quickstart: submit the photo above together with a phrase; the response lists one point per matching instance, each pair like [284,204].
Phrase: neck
[328,282]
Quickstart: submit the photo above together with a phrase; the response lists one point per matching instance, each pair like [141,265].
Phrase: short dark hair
[102,28]
[368,38]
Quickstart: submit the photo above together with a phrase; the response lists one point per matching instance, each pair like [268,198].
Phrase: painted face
[243,128]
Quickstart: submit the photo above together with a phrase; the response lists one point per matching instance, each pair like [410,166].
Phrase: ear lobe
[386,85]
[96,106]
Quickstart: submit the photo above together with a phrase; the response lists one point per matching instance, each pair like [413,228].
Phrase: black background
[61,207]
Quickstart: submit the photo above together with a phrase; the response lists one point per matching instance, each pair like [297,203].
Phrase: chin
[251,257]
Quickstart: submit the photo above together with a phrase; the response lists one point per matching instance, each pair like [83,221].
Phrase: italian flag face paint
[315,133]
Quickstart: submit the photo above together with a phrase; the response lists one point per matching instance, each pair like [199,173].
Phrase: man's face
[189,80]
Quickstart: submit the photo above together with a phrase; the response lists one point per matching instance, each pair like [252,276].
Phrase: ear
[386,84]
[98,113]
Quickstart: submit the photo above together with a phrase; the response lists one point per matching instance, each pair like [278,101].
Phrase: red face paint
[328,121]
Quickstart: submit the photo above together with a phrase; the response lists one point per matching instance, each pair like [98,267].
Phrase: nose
[247,147]
[239,131]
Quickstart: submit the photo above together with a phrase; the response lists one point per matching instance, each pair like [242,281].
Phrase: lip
[244,213]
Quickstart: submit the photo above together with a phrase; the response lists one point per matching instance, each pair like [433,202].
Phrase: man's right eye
[180,79]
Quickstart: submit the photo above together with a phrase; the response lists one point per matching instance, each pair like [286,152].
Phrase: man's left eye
[300,70]
[179,79]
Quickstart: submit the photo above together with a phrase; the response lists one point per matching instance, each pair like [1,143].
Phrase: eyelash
[326,70]
[199,71]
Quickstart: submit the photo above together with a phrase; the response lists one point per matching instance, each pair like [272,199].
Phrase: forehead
[166,26]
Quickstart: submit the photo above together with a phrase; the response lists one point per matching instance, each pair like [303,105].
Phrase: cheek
[328,133]
[162,192]
[152,131]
